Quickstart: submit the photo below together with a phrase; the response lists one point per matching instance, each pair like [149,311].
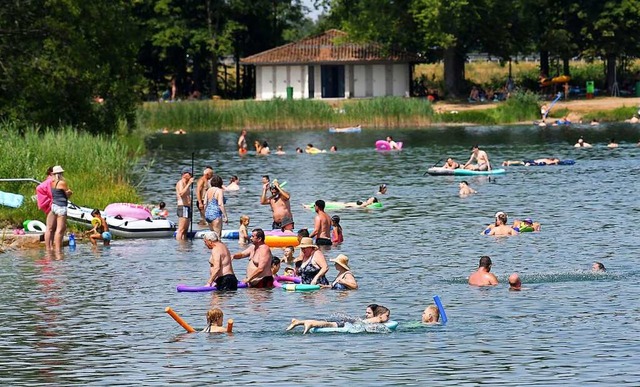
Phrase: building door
[312,82]
[332,81]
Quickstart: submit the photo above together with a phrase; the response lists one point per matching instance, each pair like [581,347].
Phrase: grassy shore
[99,170]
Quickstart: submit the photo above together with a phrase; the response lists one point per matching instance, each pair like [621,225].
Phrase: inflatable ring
[36,225]
[96,222]
[299,287]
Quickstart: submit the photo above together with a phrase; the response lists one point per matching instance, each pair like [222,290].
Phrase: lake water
[97,316]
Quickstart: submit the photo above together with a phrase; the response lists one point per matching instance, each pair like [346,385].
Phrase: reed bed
[279,114]
[99,169]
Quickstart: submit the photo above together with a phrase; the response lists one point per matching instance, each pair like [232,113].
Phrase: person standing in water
[183,195]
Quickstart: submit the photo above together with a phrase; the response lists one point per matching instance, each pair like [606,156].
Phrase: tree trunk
[454,72]
[611,72]
[213,60]
[544,62]
[565,67]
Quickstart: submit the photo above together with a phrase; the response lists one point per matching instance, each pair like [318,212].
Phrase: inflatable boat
[123,227]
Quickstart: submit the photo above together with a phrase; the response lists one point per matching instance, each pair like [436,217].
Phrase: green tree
[59,57]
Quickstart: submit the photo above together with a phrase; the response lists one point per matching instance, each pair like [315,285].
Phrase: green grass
[98,169]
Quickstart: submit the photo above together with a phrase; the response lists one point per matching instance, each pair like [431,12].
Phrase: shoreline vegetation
[99,169]
[374,113]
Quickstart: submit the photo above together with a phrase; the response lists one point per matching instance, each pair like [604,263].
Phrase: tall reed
[99,169]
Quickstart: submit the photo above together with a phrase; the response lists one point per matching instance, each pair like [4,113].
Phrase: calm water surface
[97,317]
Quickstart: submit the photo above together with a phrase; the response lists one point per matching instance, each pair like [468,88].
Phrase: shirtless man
[259,268]
[482,160]
[280,205]
[502,228]
[183,188]
[451,164]
[582,144]
[220,264]
[201,190]
[321,225]
[483,277]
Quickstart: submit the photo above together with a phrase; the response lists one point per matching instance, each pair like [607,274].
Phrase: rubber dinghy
[441,171]
[123,228]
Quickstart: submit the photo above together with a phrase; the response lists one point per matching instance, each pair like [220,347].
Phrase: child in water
[160,212]
[100,230]
[336,231]
[287,256]
[243,238]
[214,321]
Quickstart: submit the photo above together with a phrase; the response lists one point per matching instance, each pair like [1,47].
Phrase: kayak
[441,171]
[340,205]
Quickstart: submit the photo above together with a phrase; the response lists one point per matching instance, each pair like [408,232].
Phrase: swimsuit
[265,282]
[309,271]
[227,282]
[184,212]
[323,241]
[59,201]
[213,211]
[336,236]
[286,220]
[338,286]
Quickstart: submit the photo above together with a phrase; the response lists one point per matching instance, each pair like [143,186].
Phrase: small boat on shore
[123,227]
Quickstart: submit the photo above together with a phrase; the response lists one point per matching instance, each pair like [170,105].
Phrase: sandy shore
[577,106]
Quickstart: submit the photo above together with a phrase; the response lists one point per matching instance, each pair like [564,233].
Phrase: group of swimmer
[262,147]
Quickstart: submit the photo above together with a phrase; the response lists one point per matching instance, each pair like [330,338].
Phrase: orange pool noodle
[179,320]
[229,325]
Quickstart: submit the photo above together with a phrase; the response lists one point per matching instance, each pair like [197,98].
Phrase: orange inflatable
[281,241]
[180,321]
[229,325]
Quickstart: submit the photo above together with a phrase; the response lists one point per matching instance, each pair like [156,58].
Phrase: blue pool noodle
[443,314]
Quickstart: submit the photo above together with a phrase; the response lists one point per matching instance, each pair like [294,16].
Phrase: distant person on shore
[483,276]
[612,143]
[280,205]
[375,314]
[183,190]
[60,194]
[582,144]
[515,284]
[242,142]
[233,184]
[465,190]
[214,321]
[201,189]
[481,158]
[598,267]
[431,315]
[451,164]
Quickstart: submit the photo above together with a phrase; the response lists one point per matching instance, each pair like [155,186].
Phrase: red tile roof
[331,46]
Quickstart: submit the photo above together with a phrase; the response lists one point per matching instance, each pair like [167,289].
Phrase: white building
[328,66]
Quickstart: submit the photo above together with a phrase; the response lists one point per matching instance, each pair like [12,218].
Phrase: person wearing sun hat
[183,194]
[60,193]
[314,265]
[345,279]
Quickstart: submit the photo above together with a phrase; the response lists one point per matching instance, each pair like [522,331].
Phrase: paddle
[192,176]
[437,162]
